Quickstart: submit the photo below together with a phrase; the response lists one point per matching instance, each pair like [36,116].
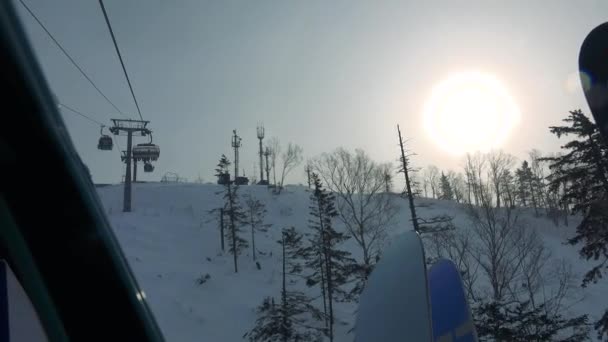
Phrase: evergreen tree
[523,322]
[525,181]
[255,212]
[233,212]
[446,188]
[582,173]
[291,319]
[330,266]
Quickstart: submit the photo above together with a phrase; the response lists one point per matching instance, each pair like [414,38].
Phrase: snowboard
[451,314]
[394,305]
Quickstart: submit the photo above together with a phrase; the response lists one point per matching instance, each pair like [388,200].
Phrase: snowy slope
[170,241]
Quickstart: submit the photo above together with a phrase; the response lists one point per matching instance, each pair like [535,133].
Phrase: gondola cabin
[105,143]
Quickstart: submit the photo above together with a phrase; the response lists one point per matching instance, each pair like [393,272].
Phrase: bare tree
[308,171]
[500,239]
[363,206]
[456,245]
[498,163]
[274,146]
[538,186]
[425,186]
[431,177]
[255,212]
[475,169]
[387,171]
[458,186]
[290,159]
[508,188]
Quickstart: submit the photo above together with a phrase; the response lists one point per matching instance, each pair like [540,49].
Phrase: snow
[170,241]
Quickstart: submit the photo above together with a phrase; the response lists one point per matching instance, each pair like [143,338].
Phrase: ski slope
[170,241]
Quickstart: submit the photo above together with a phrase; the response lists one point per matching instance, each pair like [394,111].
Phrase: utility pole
[129,126]
[261,137]
[267,154]
[236,143]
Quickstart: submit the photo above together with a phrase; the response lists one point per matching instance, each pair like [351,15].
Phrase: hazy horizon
[319,74]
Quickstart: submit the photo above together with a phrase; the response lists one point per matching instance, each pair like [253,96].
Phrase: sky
[322,74]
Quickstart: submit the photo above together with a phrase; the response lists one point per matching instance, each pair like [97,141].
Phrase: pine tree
[330,266]
[291,320]
[523,322]
[233,212]
[446,188]
[525,186]
[582,172]
[255,212]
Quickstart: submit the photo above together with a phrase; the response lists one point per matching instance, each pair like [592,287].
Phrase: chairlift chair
[146,151]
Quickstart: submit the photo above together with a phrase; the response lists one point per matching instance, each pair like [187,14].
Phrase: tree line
[351,199]
[528,286]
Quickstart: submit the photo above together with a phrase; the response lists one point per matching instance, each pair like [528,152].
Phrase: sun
[470,111]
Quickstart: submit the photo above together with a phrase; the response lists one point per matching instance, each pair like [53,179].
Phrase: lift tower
[128,127]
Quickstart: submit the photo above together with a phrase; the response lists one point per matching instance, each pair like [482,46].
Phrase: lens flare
[470,111]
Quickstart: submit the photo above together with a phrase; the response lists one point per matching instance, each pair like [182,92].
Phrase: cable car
[148,167]
[146,151]
[105,142]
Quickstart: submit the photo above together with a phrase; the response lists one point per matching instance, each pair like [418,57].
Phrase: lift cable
[70,57]
[120,57]
[72,110]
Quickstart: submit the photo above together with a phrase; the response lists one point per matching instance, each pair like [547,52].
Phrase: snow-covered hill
[170,241]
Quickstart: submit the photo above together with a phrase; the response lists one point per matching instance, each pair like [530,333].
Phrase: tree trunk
[233,230]
[321,261]
[323,287]
[509,192]
[534,203]
[329,294]
[284,292]
[407,183]
[253,243]
[365,248]
[326,248]
[252,236]
[308,176]
[497,189]
[274,172]
[222,228]
[234,251]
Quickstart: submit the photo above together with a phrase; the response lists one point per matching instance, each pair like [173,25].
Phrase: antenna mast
[261,137]
[267,154]
[236,143]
